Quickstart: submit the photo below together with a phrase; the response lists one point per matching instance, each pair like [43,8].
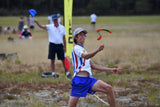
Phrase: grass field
[133,45]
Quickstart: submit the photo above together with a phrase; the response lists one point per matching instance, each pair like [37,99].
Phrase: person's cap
[25,27]
[58,14]
[79,30]
[54,17]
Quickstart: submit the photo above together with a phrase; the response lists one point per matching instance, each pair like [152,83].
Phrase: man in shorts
[93,20]
[83,82]
[31,23]
[57,43]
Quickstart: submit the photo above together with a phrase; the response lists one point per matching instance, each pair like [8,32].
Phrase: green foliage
[1,72]
[17,61]
[154,94]
[3,12]
[143,6]
[9,97]
[101,7]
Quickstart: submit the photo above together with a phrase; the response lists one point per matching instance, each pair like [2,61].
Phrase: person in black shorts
[57,43]
[93,20]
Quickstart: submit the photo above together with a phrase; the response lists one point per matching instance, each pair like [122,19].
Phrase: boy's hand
[115,70]
[101,47]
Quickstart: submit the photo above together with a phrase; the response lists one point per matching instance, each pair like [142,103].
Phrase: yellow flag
[68,4]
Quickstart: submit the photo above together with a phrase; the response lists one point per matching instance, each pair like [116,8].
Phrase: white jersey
[79,63]
[56,34]
[93,17]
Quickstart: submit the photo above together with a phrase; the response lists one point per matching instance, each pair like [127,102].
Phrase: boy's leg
[73,101]
[101,86]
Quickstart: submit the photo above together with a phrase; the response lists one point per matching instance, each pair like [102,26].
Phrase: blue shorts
[82,85]
[56,49]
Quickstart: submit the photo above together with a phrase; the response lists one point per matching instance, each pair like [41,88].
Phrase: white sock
[67,73]
[53,73]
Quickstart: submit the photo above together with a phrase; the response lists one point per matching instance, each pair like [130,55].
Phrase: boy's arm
[93,53]
[102,68]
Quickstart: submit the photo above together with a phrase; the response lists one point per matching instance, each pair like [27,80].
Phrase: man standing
[57,43]
[93,20]
[31,23]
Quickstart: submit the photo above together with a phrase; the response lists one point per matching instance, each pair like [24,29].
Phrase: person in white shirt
[31,23]
[93,20]
[59,18]
[83,82]
[57,43]
[50,19]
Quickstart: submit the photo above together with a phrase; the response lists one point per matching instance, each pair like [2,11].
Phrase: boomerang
[100,36]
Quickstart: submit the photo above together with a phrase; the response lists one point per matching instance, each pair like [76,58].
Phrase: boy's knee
[109,89]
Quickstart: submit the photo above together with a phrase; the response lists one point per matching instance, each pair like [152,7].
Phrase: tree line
[81,7]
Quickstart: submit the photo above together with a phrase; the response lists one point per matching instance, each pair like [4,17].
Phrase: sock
[67,73]
[53,73]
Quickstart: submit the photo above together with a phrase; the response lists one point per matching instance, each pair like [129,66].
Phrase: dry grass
[29,51]
[135,47]
[121,48]
[138,51]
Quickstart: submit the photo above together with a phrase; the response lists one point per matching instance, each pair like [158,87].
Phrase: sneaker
[46,74]
[55,76]
[69,76]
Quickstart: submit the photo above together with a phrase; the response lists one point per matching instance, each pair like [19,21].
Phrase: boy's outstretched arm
[93,53]
[102,68]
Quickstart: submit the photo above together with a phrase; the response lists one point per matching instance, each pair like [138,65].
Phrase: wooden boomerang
[100,36]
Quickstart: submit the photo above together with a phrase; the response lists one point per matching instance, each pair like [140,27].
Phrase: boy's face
[81,38]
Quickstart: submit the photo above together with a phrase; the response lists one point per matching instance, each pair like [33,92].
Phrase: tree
[143,6]
[100,7]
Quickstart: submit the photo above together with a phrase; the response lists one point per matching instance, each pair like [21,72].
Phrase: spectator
[26,34]
[28,20]
[7,30]
[50,19]
[57,43]
[59,18]
[20,24]
[14,31]
[1,29]
[31,23]
[93,20]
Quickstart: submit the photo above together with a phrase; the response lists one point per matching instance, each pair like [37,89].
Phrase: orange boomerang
[100,36]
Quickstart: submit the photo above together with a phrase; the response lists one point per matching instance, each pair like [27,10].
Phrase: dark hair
[75,40]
